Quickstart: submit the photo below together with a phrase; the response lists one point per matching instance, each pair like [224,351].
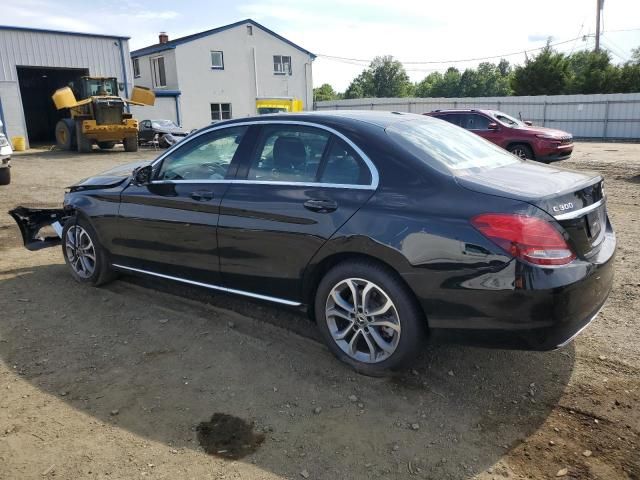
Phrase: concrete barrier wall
[600,116]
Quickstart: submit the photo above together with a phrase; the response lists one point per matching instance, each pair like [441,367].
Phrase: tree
[591,72]
[385,77]
[635,55]
[545,74]
[324,92]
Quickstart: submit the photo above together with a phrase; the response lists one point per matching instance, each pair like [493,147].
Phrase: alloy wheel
[363,320]
[518,152]
[81,252]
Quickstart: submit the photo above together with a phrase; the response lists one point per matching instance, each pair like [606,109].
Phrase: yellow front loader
[99,116]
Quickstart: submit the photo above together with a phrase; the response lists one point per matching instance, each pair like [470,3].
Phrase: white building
[34,63]
[219,73]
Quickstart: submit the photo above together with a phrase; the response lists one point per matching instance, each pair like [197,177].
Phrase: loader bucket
[142,95]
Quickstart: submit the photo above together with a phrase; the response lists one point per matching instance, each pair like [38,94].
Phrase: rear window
[442,145]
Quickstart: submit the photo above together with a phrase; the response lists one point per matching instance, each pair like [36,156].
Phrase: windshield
[163,124]
[508,120]
[101,86]
[441,144]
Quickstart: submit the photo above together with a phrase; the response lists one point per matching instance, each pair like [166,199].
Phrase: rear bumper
[114,132]
[549,308]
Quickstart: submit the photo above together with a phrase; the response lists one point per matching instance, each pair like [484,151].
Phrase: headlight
[3,141]
[549,137]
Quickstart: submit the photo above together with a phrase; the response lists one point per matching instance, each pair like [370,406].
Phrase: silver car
[5,159]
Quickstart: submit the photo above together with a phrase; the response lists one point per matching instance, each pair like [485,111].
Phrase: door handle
[202,195]
[321,206]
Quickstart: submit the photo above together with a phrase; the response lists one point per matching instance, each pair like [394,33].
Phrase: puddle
[227,436]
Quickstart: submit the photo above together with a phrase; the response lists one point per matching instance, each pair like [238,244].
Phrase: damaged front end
[40,227]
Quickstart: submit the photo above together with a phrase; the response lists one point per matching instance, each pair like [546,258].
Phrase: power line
[436,62]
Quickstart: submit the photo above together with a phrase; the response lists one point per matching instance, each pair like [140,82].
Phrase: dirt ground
[127,381]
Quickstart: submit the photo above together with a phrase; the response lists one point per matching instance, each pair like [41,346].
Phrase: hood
[108,179]
[171,130]
[528,181]
[546,131]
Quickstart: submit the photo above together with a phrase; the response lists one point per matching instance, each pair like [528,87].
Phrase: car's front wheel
[84,255]
[368,317]
[523,151]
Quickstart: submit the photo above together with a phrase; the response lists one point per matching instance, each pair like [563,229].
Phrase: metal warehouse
[34,63]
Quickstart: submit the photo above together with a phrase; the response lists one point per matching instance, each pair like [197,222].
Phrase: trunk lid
[575,199]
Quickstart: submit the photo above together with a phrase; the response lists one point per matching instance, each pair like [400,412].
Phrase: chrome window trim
[213,287]
[375,178]
[581,212]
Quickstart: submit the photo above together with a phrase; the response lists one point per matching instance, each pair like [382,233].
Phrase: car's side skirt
[213,287]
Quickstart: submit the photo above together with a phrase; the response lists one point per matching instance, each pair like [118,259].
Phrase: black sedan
[165,132]
[387,227]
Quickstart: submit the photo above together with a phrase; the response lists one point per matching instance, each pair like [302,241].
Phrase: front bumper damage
[32,221]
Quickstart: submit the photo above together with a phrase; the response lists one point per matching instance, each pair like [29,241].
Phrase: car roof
[464,110]
[344,117]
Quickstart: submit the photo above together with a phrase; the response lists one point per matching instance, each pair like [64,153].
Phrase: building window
[220,111]
[136,68]
[281,65]
[217,61]
[158,73]
[249,30]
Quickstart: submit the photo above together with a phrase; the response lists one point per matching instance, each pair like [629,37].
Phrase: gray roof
[160,47]
[61,32]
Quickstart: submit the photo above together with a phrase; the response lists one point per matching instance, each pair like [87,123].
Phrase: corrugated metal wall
[101,55]
[605,116]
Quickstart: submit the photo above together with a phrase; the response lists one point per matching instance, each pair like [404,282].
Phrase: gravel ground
[123,381]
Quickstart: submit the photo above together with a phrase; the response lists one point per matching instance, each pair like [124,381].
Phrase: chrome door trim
[581,212]
[213,287]
[375,178]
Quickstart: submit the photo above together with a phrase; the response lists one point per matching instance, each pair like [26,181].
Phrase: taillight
[528,238]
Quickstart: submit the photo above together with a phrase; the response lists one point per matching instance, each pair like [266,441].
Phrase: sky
[413,31]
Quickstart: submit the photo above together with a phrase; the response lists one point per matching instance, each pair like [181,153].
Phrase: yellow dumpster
[19,144]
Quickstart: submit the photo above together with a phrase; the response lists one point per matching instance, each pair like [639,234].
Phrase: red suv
[520,138]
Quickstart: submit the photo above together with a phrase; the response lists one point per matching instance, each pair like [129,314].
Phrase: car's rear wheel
[84,255]
[5,176]
[368,317]
[523,151]
[130,144]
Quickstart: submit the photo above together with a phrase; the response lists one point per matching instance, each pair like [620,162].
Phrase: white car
[5,159]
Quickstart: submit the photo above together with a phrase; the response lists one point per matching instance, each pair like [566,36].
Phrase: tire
[5,176]
[85,270]
[404,341]
[106,145]
[522,151]
[85,145]
[66,134]
[131,144]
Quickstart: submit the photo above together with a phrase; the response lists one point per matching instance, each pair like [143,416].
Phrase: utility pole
[599,5]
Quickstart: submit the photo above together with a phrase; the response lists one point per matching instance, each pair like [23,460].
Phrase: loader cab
[87,87]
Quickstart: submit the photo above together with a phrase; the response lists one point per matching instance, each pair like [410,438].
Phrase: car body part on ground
[97,115]
[386,226]
[520,138]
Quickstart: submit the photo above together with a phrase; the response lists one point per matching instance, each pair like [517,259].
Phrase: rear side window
[473,121]
[288,153]
[450,117]
[344,167]
[444,146]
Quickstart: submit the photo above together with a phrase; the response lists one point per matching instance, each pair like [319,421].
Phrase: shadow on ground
[164,363]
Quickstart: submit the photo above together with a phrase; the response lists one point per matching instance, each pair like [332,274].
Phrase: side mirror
[528,123]
[492,126]
[142,175]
